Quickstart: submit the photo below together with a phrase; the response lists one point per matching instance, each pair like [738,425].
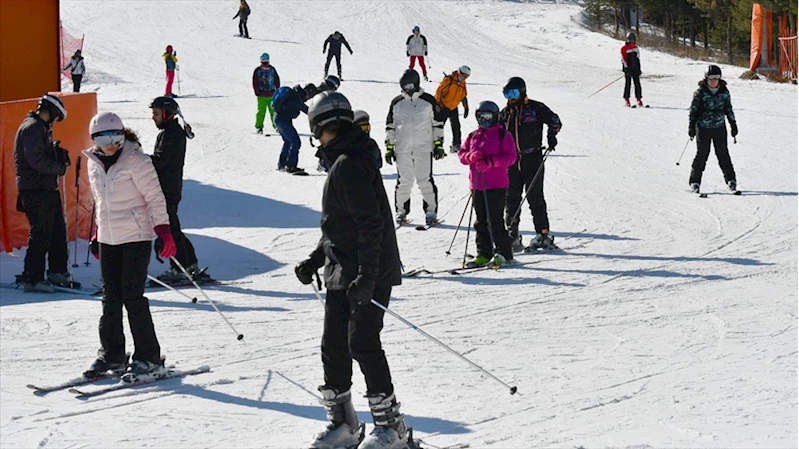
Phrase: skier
[243,13]
[524,119]
[358,250]
[77,69]
[489,152]
[265,81]
[450,93]
[288,104]
[171,60]
[335,40]
[631,66]
[414,137]
[710,105]
[131,211]
[168,158]
[361,118]
[416,48]
[39,162]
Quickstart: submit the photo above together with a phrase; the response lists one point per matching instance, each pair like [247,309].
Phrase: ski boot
[694,187]
[732,185]
[296,171]
[541,241]
[42,286]
[627,102]
[477,262]
[454,148]
[390,431]
[143,369]
[259,130]
[499,260]
[430,218]
[640,103]
[402,219]
[343,430]
[426,79]
[62,280]
[102,367]
[172,276]
[516,244]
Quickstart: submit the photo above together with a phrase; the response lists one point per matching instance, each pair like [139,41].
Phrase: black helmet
[167,104]
[310,90]
[410,77]
[630,37]
[515,83]
[328,110]
[487,114]
[54,107]
[713,70]
[333,82]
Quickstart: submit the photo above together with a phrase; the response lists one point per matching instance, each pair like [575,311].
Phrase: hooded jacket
[708,109]
[495,149]
[76,65]
[414,122]
[35,159]
[452,91]
[357,226]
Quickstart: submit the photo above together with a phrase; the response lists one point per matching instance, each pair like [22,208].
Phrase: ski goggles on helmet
[512,94]
[714,77]
[366,127]
[105,138]
[485,119]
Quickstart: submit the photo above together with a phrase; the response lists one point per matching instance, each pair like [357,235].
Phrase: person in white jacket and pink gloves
[130,213]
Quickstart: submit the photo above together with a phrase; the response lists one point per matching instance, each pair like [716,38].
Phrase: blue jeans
[290,153]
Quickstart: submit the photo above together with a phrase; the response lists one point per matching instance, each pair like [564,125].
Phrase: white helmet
[465,70]
[53,105]
[105,121]
[359,115]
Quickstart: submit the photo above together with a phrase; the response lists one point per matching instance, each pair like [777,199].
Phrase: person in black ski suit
[524,119]
[39,162]
[711,104]
[243,14]
[358,250]
[335,41]
[631,66]
[169,157]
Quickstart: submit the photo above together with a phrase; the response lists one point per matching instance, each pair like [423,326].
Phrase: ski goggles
[408,87]
[365,127]
[714,77]
[105,138]
[512,94]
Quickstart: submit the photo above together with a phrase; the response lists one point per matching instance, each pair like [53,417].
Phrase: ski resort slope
[665,321]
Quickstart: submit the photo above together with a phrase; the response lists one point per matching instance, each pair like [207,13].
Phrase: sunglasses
[714,77]
[512,94]
[105,138]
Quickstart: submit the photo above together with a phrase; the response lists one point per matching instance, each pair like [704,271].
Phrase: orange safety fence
[69,44]
[74,136]
[788,57]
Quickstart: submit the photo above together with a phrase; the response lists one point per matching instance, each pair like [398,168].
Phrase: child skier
[488,152]
[171,60]
[416,48]
[265,81]
[631,66]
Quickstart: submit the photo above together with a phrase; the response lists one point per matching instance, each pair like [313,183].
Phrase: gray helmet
[360,116]
[328,110]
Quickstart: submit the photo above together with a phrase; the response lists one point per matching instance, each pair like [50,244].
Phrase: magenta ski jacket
[488,153]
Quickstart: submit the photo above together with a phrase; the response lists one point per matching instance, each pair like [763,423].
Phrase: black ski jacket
[335,44]
[168,158]
[357,226]
[526,121]
[34,157]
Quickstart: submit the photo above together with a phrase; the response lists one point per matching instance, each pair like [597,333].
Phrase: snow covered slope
[666,321]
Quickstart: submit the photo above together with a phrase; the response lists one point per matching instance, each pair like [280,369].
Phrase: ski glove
[362,288]
[465,111]
[390,157]
[305,270]
[552,142]
[692,131]
[438,150]
[61,154]
[407,53]
[734,129]
[94,247]
[483,165]
[169,249]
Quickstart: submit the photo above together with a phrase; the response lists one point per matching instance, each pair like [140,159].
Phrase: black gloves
[692,130]
[390,156]
[305,270]
[94,247]
[362,288]
[734,129]
[625,70]
[465,111]
[407,53]
[61,154]
[552,142]
[438,150]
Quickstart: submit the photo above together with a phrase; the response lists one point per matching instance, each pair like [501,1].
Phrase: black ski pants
[48,233]
[330,56]
[521,176]
[76,79]
[353,332]
[491,212]
[185,250]
[718,137]
[454,117]
[635,78]
[243,27]
[124,270]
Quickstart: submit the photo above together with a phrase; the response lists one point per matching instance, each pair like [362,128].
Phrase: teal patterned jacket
[708,109]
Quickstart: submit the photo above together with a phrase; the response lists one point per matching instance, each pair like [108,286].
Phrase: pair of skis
[424,227]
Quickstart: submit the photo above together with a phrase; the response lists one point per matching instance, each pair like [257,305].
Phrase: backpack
[279,98]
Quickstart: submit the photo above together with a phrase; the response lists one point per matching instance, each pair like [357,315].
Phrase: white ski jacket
[128,199]
[414,122]
[416,45]
[77,66]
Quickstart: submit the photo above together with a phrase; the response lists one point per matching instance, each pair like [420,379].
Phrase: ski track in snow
[665,321]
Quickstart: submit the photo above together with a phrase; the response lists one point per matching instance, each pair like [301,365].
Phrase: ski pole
[468,203]
[77,212]
[188,276]
[63,182]
[468,230]
[512,389]
[488,214]
[177,69]
[164,284]
[606,86]
[530,187]
[91,231]
[683,150]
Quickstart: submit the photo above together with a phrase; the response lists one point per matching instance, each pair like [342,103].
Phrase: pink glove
[483,165]
[165,235]
[472,157]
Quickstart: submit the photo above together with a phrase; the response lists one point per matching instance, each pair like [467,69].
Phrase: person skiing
[130,211]
[265,81]
[710,105]
[168,158]
[524,119]
[416,48]
[77,70]
[288,104]
[243,13]
[171,60]
[631,66]
[414,137]
[358,250]
[39,162]
[335,41]
[489,152]
[450,93]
